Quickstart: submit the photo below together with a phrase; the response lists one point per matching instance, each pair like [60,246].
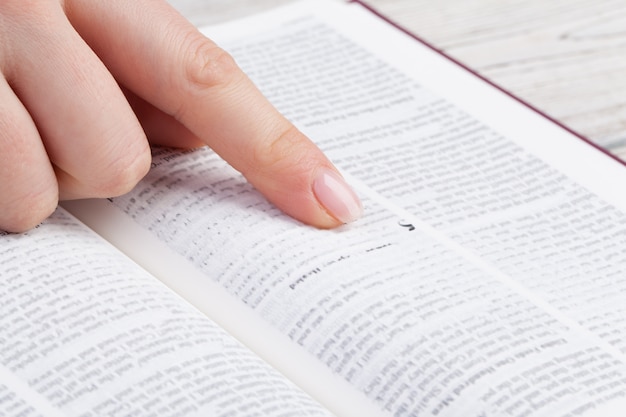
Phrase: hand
[84,82]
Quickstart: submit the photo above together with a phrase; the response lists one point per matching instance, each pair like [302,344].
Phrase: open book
[487,277]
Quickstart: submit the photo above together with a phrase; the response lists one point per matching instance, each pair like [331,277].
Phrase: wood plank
[566,57]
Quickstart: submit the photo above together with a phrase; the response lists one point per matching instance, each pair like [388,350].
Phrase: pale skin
[87,85]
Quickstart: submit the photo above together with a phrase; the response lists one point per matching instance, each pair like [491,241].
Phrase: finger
[28,188]
[90,132]
[160,127]
[157,54]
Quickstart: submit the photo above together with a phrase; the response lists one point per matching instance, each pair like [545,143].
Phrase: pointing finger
[162,58]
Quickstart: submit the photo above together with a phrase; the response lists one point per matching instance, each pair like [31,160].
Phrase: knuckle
[285,152]
[122,173]
[29,210]
[206,65]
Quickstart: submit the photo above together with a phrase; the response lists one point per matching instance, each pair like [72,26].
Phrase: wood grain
[565,57]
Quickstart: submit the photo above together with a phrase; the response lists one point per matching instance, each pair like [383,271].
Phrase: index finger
[161,57]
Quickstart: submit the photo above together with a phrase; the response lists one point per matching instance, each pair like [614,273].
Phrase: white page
[484,187]
[16,398]
[299,279]
[90,333]
[292,273]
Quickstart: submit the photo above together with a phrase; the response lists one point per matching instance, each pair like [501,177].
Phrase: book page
[444,167]
[385,304]
[86,332]
[17,399]
[484,278]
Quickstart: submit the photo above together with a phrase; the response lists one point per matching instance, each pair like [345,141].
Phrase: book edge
[468,69]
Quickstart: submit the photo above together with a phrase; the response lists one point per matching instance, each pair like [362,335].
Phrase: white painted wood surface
[565,57]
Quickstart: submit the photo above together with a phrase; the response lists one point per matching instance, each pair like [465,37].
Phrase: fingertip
[336,196]
[315,194]
[296,176]
[327,204]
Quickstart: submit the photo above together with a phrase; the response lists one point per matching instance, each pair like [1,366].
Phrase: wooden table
[565,57]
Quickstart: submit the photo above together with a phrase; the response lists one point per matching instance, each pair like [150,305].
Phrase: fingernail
[337,197]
